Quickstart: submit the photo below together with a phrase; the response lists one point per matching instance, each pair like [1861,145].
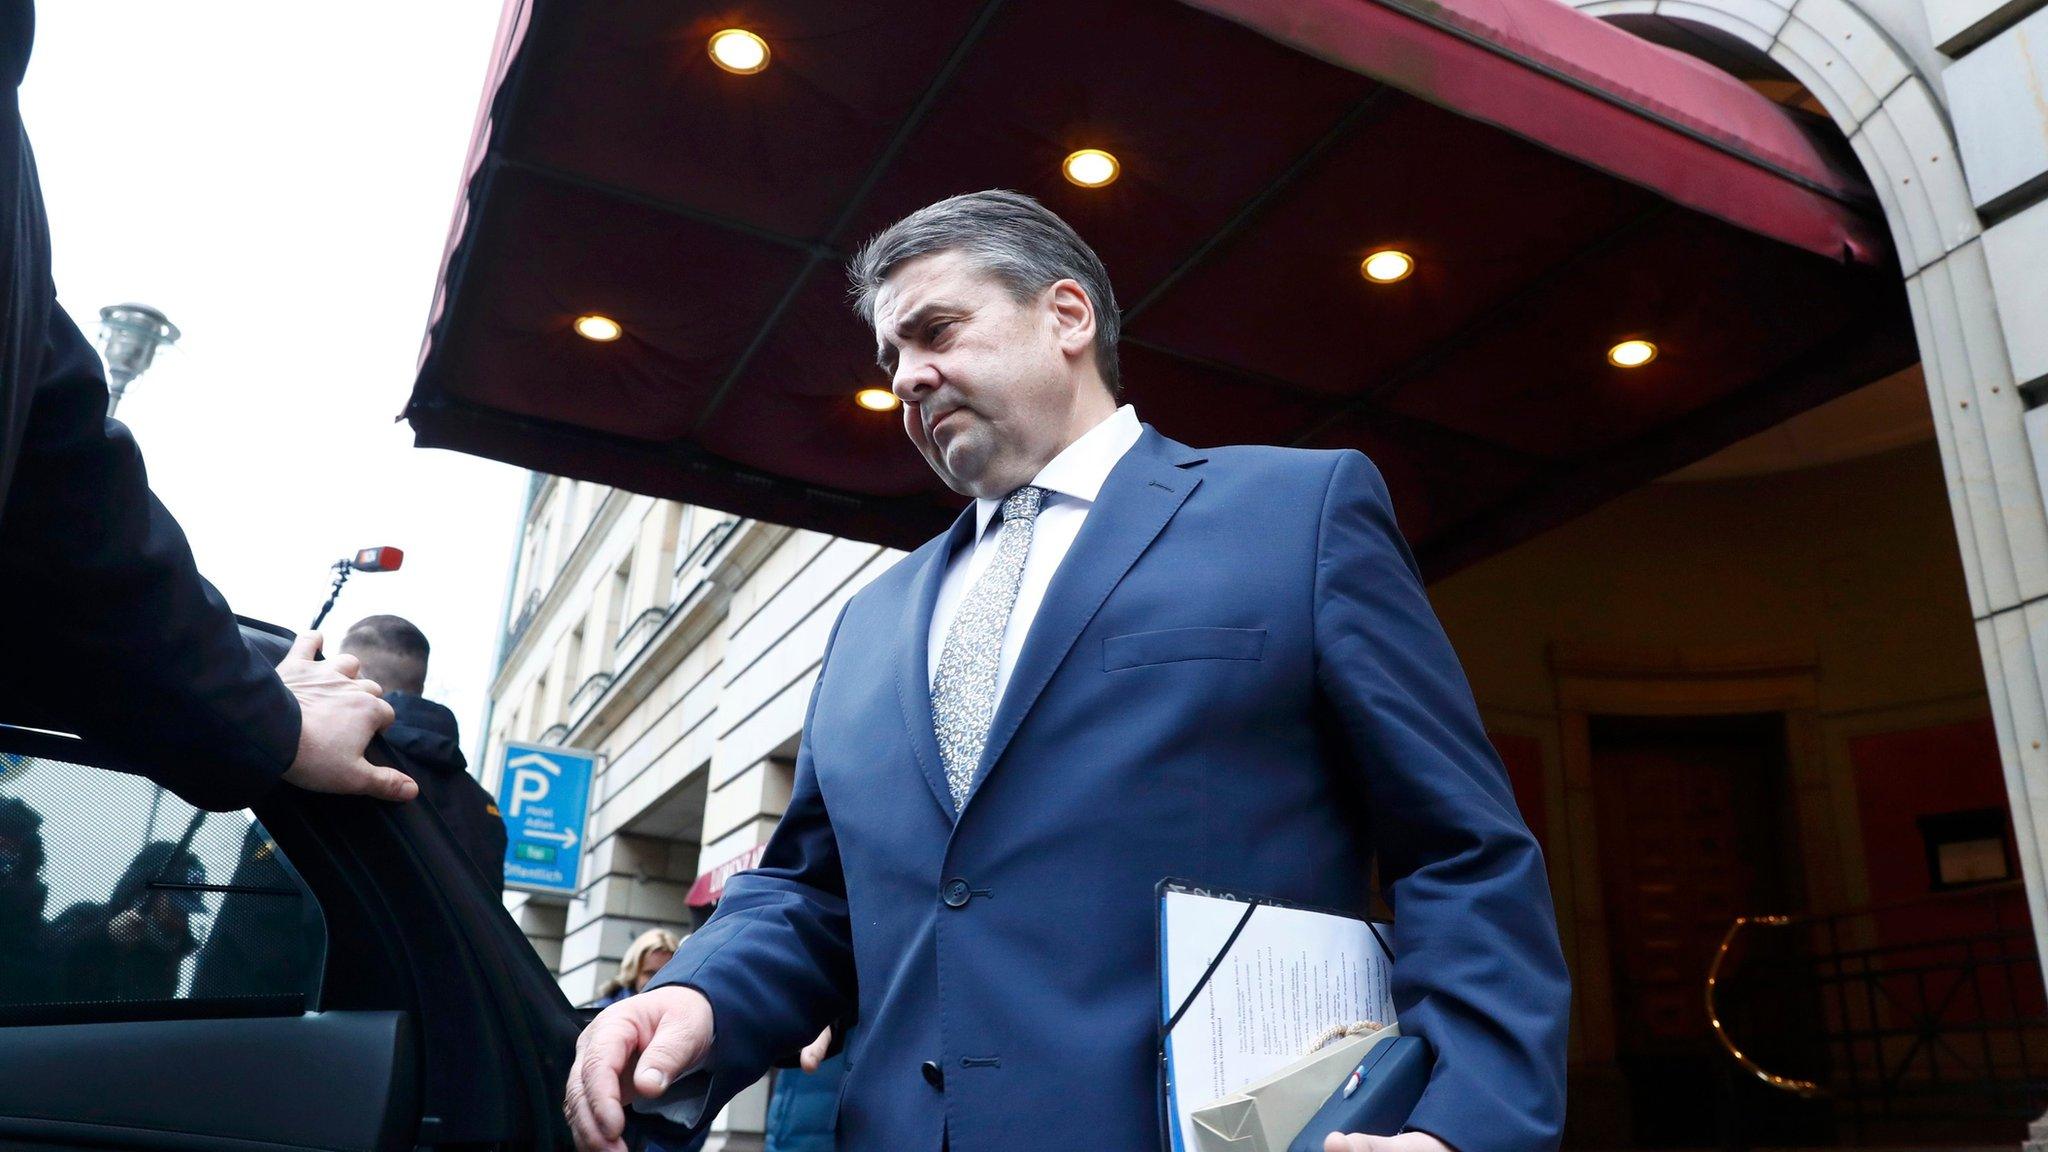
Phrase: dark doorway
[1695,829]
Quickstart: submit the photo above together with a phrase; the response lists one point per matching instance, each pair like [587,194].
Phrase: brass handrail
[1806,1089]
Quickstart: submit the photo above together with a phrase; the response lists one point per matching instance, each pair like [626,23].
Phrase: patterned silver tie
[964,690]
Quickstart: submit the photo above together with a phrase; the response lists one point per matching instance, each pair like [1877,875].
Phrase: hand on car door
[339,712]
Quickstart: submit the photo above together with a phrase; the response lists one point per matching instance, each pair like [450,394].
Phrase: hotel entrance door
[1694,831]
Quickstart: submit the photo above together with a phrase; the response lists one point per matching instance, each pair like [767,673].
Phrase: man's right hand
[639,1045]
[338,714]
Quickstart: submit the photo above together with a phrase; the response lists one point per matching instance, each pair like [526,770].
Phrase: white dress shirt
[1072,480]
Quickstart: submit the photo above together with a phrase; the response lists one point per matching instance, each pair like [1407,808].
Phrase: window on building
[536,707]
[523,579]
[551,550]
[570,658]
[619,614]
[533,575]
[673,515]
[508,730]
[585,500]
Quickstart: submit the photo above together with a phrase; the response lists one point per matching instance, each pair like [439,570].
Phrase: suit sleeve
[1477,967]
[111,630]
[776,959]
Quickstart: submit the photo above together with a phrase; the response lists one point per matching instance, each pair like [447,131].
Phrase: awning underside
[709,214]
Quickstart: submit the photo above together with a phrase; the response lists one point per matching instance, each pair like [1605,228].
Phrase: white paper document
[1289,975]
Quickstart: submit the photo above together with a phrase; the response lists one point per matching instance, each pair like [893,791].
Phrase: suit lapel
[913,668]
[1142,493]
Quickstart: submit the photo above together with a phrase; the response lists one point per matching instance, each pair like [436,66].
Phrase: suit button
[955,893]
[933,1074]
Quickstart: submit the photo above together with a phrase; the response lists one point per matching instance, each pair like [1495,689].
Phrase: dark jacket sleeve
[775,960]
[1478,971]
[110,629]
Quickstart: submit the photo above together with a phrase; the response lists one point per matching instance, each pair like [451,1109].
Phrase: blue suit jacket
[1235,678]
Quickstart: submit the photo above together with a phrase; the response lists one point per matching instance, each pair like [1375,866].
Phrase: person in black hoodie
[23,969]
[427,740]
[133,947]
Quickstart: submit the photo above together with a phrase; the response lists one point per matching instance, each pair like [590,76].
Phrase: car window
[120,901]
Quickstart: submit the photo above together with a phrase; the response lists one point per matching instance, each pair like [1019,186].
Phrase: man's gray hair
[1011,237]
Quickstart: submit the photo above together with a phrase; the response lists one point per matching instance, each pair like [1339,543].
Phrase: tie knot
[1023,504]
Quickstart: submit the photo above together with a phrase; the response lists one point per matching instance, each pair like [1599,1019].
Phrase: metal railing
[637,632]
[690,569]
[1921,1011]
[524,618]
[587,694]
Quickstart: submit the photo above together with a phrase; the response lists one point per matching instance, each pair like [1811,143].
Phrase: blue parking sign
[544,795]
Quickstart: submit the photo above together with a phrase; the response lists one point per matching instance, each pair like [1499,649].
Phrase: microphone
[385,559]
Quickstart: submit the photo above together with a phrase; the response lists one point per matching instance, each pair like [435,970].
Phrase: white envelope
[1268,1114]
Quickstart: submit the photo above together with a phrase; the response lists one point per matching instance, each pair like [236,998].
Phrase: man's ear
[1074,315]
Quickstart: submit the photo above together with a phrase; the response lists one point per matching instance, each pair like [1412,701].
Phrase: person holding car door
[131,646]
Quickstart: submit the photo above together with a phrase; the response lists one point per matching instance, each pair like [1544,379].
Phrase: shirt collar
[1080,470]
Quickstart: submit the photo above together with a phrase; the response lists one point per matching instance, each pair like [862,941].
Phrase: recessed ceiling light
[875,399]
[739,51]
[1387,267]
[1091,168]
[602,329]
[1632,353]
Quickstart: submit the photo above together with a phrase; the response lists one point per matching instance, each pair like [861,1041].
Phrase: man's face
[172,911]
[987,381]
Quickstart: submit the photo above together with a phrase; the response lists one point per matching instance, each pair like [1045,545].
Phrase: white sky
[278,179]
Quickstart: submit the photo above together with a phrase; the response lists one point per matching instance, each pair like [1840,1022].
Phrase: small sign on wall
[544,795]
[1967,848]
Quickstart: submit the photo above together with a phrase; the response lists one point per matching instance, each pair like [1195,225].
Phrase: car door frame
[411,931]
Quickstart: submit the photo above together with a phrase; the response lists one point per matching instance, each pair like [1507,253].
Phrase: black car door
[319,973]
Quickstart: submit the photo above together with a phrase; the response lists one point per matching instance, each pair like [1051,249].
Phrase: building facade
[679,643]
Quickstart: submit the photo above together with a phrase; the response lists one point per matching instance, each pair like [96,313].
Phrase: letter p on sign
[530,783]
[528,787]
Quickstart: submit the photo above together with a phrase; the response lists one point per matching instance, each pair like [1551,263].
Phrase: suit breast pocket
[1174,644]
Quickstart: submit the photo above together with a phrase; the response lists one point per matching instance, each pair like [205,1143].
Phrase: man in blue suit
[1128,659]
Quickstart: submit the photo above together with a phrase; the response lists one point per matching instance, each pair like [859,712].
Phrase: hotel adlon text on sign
[544,794]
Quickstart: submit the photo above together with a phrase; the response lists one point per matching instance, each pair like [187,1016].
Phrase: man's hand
[338,713]
[1405,1142]
[644,1040]
[814,1052]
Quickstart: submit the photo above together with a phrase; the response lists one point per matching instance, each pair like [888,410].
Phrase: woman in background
[652,949]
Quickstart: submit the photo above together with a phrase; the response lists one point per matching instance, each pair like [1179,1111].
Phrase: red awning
[1562,184]
[710,887]
[1553,75]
